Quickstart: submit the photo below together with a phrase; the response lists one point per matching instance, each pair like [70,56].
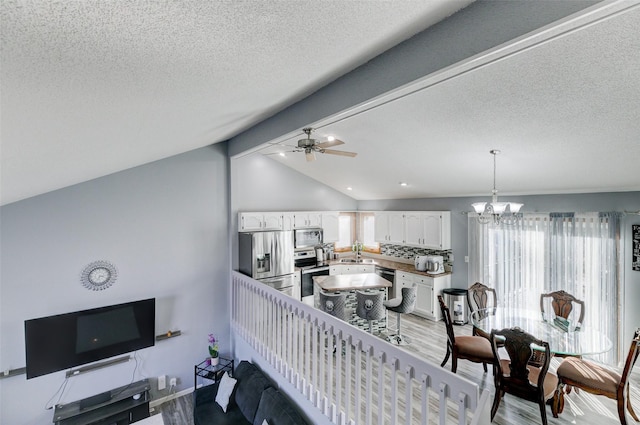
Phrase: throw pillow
[225,389]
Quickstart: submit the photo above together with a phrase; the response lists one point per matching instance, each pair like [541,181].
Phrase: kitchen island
[350,283]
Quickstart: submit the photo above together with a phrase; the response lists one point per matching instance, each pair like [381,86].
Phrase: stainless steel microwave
[307,238]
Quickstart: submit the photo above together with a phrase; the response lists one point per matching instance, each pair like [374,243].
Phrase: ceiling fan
[310,146]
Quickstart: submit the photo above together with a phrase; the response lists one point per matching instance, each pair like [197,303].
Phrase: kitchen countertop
[350,282]
[389,264]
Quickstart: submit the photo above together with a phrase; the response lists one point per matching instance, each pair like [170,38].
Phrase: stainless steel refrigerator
[268,257]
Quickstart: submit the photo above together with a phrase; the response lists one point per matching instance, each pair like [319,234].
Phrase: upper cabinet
[437,229]
[303,220]
[248,222]
[330,231]
[389,227]
[428,229]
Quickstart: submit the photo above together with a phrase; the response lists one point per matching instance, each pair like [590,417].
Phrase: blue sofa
[254,399]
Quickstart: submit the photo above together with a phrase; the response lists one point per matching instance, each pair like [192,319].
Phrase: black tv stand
[122,406]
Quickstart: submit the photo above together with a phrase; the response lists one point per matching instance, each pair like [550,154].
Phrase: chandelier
[494,211]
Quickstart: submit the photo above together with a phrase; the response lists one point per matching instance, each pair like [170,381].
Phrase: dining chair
[335,304]
[595,379]
[480,296]
[515,375]
[476,349]
[563,304]
[369,307]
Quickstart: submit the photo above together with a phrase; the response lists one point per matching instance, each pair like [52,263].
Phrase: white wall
[164,225]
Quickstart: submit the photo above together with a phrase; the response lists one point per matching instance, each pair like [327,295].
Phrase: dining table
[564,337]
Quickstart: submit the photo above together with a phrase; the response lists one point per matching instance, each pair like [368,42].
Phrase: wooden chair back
[480,296]
[563,304]
[446,317]
[632,357]
[519,346]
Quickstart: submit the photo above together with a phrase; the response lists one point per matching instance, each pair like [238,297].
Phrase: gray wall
[164,225]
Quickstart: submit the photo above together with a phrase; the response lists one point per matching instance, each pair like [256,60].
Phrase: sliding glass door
[540,253]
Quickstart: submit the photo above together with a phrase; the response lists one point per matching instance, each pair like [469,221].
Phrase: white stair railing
[351,376]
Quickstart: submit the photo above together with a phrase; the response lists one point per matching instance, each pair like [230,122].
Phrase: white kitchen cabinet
[389,227]
[428,290]
[297,285]
[287,221]
[428,229]
[302,220]
[414,228]
[330,230]
[252,221]
[437,229]
[338,269]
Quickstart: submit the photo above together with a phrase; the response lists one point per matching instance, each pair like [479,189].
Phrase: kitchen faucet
[357,248]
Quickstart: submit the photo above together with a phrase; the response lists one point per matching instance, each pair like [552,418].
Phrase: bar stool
[370,307]
[334,303]
[402,305]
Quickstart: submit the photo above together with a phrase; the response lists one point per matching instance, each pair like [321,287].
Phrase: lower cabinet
[428,290]
[297,285]
[352,269]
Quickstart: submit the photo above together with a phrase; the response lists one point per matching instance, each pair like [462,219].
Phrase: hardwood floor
[429,342]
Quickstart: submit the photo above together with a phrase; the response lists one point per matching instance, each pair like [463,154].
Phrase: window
[368,230]
[346,232]
[356,226]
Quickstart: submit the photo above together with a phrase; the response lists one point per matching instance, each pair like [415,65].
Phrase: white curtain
[578,253]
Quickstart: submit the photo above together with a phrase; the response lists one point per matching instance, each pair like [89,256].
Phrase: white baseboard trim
[159,401]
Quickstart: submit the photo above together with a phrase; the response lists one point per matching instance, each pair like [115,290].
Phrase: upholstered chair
[476,349]
[596,379]
[516,375]
[370,307]
[404,304]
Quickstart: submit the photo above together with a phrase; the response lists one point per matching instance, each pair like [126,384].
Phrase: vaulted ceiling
[89,89]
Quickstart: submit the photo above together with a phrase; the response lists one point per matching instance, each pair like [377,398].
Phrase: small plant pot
[214,361]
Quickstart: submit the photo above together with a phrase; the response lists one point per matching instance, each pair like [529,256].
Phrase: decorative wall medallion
[98,275]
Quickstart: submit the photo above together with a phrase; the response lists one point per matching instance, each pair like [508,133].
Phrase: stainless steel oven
[310,266]
[307,281]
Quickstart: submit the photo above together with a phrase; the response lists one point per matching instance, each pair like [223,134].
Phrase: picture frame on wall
[635,247]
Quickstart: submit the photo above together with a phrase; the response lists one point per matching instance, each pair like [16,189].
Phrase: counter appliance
[421,263]
[435,264]
[268,257]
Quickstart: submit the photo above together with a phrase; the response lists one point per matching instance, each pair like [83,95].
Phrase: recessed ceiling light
[282,154]
[349,188]
[331,138]
[404,184]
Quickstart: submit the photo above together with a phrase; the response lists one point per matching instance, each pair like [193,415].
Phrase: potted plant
[213,350]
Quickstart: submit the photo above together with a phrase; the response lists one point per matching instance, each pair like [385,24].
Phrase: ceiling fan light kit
[494,211]
[310,146]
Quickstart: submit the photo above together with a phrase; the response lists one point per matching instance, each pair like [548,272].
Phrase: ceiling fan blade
[328,144]
[342,153]
[311,156]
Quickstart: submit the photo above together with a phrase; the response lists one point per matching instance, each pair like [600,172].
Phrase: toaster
[421,263]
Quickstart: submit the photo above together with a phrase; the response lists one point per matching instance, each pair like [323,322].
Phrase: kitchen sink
[357,260]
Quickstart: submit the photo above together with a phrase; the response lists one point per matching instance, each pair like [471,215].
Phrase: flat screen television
[63,341]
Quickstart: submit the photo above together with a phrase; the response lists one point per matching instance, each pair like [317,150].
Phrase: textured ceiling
[564,111]
[92,88]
